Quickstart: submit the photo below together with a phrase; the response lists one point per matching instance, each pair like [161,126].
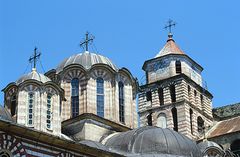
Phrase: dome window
[121,102]
[75,97]
[178,67]
[49,111]
[13,105]
[100,97]
[30,108]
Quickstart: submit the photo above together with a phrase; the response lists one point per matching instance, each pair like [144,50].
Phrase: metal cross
[169,25]
[87,41]
[34,57]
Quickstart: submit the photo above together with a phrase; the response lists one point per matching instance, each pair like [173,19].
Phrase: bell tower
[174,96]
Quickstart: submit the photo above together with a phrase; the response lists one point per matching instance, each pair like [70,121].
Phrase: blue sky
[128,32]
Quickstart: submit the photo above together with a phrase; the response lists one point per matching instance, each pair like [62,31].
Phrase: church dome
[155,141]
[87,60]
[34,75]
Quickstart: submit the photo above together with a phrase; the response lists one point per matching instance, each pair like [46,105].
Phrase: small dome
[208,144]
[154,141]
[34,75]
[87,60]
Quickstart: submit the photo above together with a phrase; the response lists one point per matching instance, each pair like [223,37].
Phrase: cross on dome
[88,39]
[34,58]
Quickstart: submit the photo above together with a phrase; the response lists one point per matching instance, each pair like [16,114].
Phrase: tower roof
[170,48]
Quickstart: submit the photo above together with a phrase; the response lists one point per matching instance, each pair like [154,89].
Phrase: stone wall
[185,100]
[87,94]
[15,145]
[164,67]
[39,108]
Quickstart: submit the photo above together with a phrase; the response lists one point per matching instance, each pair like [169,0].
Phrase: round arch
[162,120]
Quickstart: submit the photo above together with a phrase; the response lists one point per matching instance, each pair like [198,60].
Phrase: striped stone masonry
[24,147]
[87,94]
[185,100]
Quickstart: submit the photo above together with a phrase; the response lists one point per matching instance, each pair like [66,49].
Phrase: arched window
[49,111]
[30,108]
[235,147]
[200,124]
[189,92]
[162,121]
[191,121]
[161,97]
[175,119]
[75,97]
[121,102]
[100,97]
[13,105]
[173,93]
[201,100]
[149,96]
[195,96]
[178,67]
[149,119]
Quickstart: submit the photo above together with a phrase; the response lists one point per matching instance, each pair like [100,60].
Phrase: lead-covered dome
[87,60]
[154,141]
[34,75]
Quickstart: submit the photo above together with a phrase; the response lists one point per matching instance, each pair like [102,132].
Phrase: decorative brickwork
[182,89]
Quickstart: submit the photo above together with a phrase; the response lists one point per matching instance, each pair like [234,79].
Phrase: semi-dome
[34,75]
[87,60]
[155,141]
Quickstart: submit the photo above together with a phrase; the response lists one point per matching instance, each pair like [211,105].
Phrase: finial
[34,58]
[169,26]
[87,41]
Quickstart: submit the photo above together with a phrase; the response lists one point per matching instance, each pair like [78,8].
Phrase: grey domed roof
[87,60]
[34,75]
[207,144]
[155,141]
